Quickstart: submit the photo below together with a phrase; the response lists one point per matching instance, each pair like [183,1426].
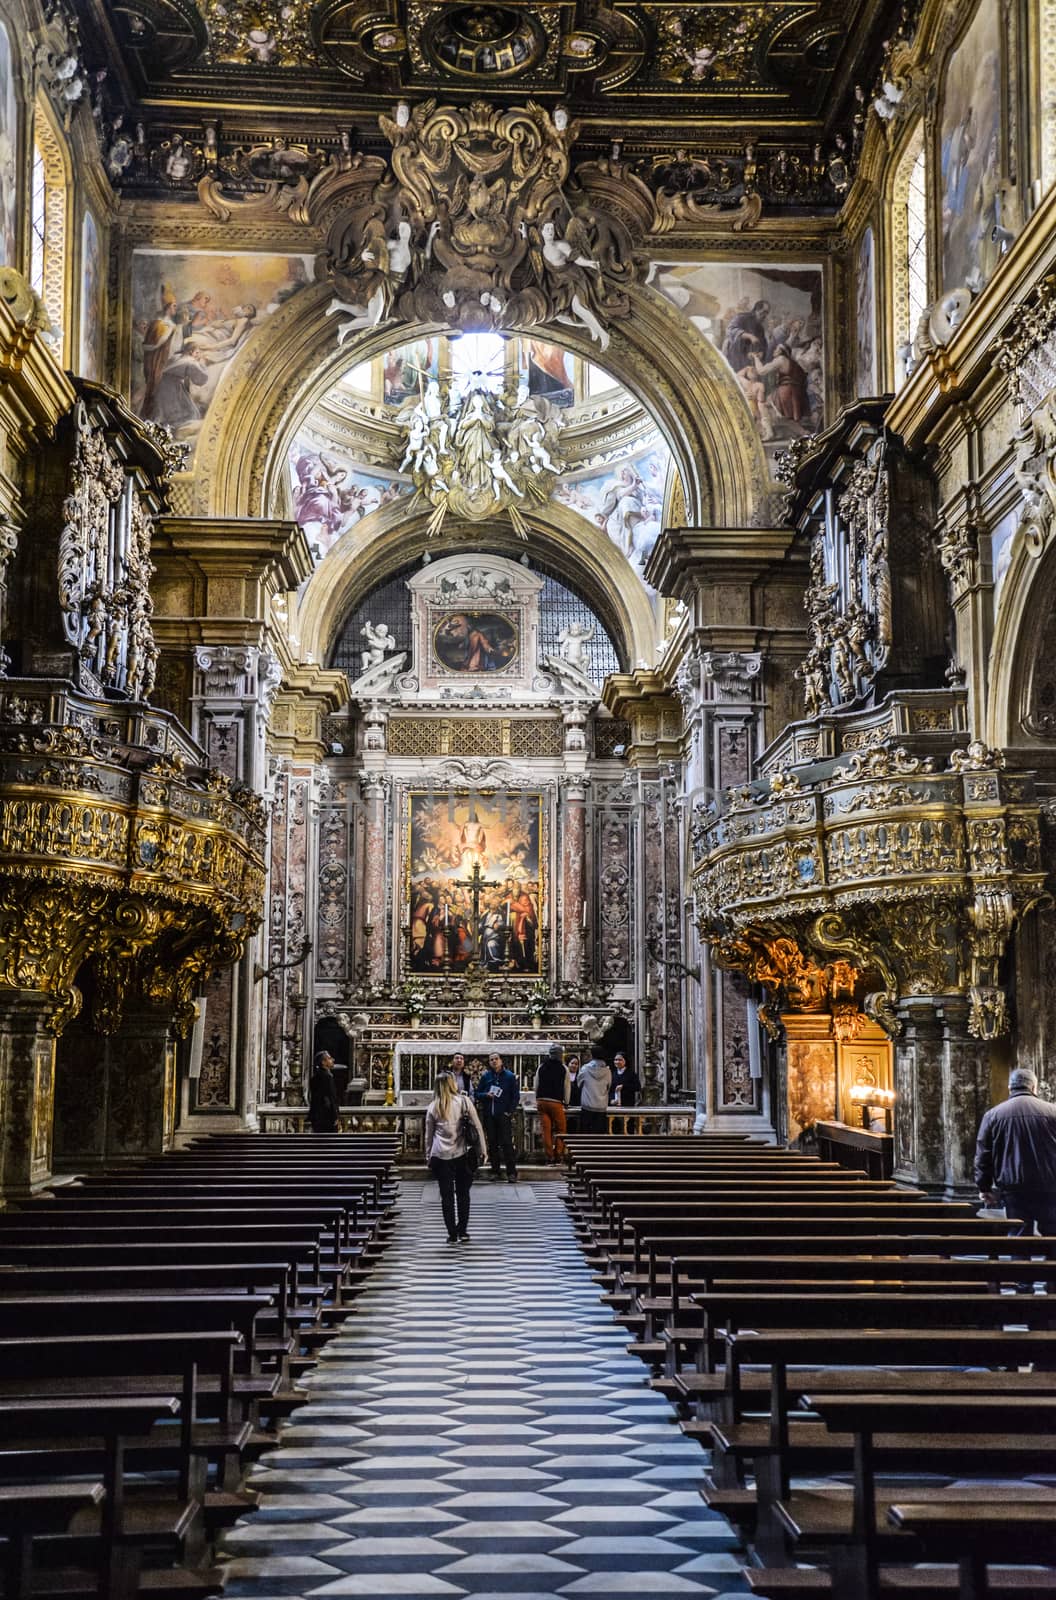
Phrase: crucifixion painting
[476,868]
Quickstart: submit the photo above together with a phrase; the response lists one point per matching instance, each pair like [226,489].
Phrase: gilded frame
[490,804]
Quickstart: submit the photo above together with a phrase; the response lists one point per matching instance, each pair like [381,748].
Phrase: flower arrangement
[414,997]
[538,1000]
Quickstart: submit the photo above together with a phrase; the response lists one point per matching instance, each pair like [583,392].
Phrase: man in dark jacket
[498,1096]
[552,1089]
[1015,1157]
[322,1095]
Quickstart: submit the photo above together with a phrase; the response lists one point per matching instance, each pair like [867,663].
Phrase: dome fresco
[345,462]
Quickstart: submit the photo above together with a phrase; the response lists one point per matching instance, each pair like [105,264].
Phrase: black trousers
[1029,1206]
[500,1143]
[593,1121]
[455,1181]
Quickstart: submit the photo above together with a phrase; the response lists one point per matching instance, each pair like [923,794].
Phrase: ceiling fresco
[772,68]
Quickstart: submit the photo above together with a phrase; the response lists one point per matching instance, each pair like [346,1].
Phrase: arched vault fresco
[295,358]
[383,543]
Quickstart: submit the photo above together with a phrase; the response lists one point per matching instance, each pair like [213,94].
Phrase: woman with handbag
[454,1143]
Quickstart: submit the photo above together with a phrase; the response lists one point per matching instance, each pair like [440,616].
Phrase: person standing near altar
[552,1089]
[460,1073]
[625,1089]
[498,1096]
[595,1079]
[322,1095]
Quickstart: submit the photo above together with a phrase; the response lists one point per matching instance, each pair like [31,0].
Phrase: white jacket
[443,1139]
[595,1077]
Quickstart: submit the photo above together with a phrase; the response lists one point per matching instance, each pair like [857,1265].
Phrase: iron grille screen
[559,607]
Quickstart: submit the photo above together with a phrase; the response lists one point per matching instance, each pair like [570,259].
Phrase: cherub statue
[500,476]
[526,436]
[572,642]
[815,684]
[379,640]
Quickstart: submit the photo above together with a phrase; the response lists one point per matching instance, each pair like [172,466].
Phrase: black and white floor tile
[477,1428]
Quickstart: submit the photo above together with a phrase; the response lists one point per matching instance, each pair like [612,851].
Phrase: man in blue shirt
[498,1096]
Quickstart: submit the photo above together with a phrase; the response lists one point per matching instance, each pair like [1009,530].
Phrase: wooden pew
[28,1510]
[975,1535]
[34,1432]
[141,1269]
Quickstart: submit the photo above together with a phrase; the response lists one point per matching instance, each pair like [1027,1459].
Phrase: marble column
[375,904]
[574,878]
[27,1091]
[942,1083]
[234,688]
[721,693]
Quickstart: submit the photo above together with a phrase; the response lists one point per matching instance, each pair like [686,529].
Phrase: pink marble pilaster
[574,877]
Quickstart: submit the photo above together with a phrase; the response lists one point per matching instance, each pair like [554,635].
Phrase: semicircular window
[560,608]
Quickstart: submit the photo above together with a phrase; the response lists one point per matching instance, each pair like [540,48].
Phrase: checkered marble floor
[477,1428]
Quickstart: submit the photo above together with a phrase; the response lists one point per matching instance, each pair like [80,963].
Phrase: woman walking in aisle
[447,1153]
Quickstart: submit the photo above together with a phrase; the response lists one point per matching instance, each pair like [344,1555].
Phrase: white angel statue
[569,274]
[379,640]
[572,642]
[500,476]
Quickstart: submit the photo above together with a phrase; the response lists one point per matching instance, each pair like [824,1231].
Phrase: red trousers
[552,1125]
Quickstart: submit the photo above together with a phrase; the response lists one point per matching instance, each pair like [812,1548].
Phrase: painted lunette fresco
[192,312]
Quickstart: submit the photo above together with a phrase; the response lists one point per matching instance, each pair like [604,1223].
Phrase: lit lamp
[867,1095]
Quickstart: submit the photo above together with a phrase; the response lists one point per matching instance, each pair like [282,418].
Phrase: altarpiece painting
[476,869]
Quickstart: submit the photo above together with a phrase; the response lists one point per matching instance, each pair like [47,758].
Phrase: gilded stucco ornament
[23,302]
[795,980]
[121,871]
[476,453]
[476,226]
[915,877]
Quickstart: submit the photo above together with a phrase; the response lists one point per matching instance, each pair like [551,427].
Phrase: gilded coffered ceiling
[771,69]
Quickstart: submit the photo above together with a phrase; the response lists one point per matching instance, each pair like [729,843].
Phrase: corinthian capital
[733,674]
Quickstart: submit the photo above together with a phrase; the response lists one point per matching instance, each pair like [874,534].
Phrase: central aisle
[478,1428]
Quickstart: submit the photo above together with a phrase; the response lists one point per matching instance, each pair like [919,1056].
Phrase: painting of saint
[331,493]
[8,154]
[970,153]
[406,371]
[768,323]
[866,307]
[92,320]
[476,872]
[475,641]
[549,371]
[191,315]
